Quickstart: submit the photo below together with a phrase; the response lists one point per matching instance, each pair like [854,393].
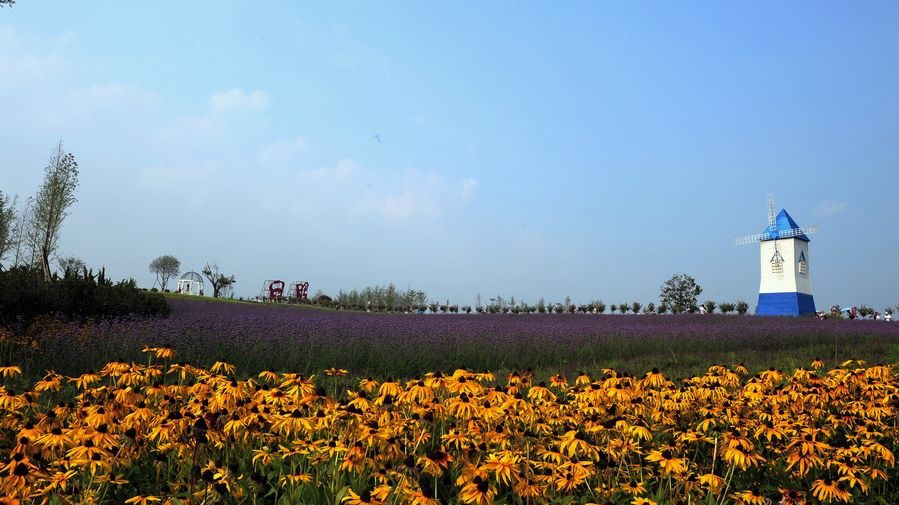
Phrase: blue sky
[529,149]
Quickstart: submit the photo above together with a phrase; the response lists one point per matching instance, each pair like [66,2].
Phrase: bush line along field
[260,337]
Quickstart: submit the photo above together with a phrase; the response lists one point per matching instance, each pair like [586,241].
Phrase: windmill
[784,288]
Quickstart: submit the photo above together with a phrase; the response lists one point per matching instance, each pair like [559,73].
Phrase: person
[888,316]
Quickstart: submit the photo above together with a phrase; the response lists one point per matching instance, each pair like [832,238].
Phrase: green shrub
[24,295]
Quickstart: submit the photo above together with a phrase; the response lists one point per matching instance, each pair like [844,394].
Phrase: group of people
[853,313]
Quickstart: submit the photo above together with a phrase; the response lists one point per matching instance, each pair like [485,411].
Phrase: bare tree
[7,225]
[165,267]
[218,280]
[55,196]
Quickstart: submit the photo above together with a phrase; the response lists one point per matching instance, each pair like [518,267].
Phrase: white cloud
[283,150]
[183,181]
[111,97]
[237,100]
[829,208]
[178,176]
[214,123]
[469,186]
[350,191]
[21,65]
[413,194]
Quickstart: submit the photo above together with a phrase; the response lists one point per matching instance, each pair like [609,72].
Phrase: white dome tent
[190,283]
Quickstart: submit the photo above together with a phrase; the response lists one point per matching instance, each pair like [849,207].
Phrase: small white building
[190,283]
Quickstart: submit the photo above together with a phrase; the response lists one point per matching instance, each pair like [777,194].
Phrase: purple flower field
[258,337]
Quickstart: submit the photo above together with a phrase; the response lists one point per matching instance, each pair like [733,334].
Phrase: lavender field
[259,337]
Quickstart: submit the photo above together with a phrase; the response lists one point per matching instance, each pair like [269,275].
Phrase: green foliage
[51,204]
[651,307]
[24,295]
[389,297]
[864,310]
[710,306]
[7,224]
[635,307]
[663,308]
[623,308]
[165,267]
[742,307]
[726,307]
[601,307]
[219,281]
[679,293]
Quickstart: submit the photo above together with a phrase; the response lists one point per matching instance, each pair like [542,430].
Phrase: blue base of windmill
[785,304]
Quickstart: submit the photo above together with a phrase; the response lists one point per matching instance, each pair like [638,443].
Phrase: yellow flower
[142,499]
[827,490]
[10,371]
[363,498]
[669,463]
[504,465]
[477,492]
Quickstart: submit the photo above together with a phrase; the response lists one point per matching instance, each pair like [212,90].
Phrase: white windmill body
[784,287]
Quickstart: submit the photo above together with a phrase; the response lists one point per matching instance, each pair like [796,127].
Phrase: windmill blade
[771,209]
[749,239]
[811,229]
[795,232]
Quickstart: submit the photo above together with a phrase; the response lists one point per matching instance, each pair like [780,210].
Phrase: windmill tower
[784,289]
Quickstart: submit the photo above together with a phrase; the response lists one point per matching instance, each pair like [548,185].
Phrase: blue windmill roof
[783,223]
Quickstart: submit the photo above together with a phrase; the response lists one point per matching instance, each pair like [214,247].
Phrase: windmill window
[777,263]
[803,267]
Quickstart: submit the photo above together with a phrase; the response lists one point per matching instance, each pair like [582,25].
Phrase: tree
[623,308]
[663,309]
[613,308]
[635,307]
[601,307]
[24,238]
[742,307]
[679,293]
[218,280]
[10,3]
[651,307]
[56,195]
[710,306]
[71,264]
[726,307]
[165,267]
[7,225]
